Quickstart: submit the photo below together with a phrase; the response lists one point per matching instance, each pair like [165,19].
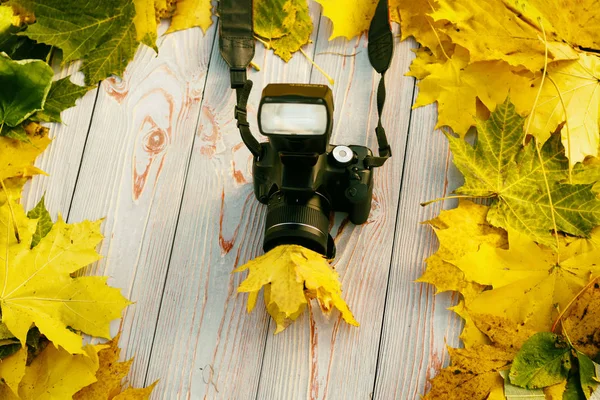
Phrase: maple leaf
[16,47]
[495,30]
[25,85]
[349,18]
[291,275]
[62,95]
[473,374]
[581,324]
[415,21]
[295,13]
[12,370]
[527,282]
[544,360]
[191,13]
[37,287]
[571,93]
[101,32]
[109,376]
[273,18]
[576,22]
[56,374]
[456,85]
[17,157]
[460,231]
[145,23]
[523,181]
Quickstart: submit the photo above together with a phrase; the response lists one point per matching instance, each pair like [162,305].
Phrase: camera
[297,173]
[300,176]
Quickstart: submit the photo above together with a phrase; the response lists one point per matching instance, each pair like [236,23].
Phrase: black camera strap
[381,49]
[236,44]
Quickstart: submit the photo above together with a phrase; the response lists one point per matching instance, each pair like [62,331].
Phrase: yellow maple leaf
[291,276]
[495,30]
[191,13]
[471,335]
[12,370]
[456,85]
[349,18]
[17,157]
[145,22]
[109,376]
[528,283]
[473,374]
[582,322]
[576,22]
[460,231]
[571,93]
[56,374]
[36,286]
[415,21]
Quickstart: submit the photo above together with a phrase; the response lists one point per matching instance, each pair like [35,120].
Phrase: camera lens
[293,221]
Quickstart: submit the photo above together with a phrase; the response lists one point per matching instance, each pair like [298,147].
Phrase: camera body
[300,176]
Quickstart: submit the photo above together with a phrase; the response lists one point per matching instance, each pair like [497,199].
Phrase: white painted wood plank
[133,173]
[322,358]
[62,158]
[206,345]
[416,325]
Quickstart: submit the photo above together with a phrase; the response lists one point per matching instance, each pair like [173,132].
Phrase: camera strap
[380,49]
[236,44]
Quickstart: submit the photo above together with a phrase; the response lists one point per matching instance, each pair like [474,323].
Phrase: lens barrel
[292,221]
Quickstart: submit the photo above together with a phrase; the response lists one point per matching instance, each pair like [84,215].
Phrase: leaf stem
[537,147]
[329,78]
[456,196]
[544,72]
[570,304]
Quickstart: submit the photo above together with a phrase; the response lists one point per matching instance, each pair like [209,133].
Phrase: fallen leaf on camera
[291,276]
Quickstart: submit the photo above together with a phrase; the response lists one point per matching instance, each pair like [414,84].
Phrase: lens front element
[294,222]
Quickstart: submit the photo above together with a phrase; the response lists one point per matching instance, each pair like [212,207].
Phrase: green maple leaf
[62,95]
[102,32]
[544,360]
[525,182]
[24,87]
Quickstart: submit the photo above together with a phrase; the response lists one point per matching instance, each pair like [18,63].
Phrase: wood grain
[133,173]
[328,358]
[62,158]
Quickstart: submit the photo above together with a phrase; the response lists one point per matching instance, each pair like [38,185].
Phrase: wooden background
[158,154]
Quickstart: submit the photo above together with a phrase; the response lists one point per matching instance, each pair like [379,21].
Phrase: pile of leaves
[46,306]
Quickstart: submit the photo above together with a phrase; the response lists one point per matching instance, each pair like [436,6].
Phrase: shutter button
[343,155]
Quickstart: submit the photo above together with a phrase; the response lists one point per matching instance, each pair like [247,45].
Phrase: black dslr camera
[300,176]
[297,173]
